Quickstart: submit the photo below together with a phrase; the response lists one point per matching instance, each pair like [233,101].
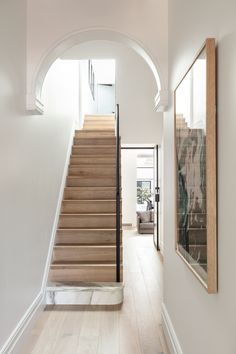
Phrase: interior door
[156,198]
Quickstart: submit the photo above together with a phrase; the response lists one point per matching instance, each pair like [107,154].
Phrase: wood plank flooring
[133,328]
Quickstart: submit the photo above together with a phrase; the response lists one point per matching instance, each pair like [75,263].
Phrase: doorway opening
[141,264]
[141,190]
[96,87]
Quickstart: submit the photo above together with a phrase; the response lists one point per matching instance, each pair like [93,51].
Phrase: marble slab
[85,294]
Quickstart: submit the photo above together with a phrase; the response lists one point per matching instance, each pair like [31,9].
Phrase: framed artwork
[195,161]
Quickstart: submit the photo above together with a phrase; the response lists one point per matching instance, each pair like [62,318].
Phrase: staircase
[84,254]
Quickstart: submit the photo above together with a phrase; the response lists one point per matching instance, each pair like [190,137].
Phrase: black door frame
[157,198]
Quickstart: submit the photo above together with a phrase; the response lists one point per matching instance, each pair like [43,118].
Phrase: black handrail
[118,196]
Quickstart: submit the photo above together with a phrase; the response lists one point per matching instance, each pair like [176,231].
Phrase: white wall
[135,90]
[129,186]
[143,21]
[60,90]
[32,154]
[103,101]
[106,99]
[87,104]
[203,323]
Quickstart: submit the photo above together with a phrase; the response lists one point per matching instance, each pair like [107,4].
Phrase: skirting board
[171,337]
[21,331]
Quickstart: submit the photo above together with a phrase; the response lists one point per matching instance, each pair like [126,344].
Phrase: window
[144,191]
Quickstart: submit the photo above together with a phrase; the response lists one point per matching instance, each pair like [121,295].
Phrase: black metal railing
[118,196]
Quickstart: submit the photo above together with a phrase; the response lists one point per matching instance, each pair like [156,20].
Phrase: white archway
[34,102]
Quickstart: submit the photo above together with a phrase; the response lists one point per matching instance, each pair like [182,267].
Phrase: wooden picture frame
[195,167]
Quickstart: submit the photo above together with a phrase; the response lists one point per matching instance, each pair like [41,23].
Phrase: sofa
[145,222]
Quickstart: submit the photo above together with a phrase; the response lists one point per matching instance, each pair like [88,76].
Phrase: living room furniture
[145,222]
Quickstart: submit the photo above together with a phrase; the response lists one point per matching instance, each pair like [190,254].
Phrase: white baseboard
[17,336]
[168,328]
[15,341]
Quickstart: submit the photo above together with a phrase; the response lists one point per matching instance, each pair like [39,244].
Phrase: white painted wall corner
[161,100]
[34,105]
[169,332]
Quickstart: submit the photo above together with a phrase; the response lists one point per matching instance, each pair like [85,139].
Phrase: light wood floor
[132,329]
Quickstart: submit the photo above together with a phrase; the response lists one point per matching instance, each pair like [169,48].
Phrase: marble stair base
[84,294]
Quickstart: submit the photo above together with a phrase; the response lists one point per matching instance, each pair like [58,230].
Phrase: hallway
[133,329]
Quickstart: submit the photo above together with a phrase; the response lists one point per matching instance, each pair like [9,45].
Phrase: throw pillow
[145,216]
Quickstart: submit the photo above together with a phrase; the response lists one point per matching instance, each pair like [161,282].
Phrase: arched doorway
[35,83]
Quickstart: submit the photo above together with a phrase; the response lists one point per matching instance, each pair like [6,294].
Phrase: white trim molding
[161,100]
[34,104]
[36,77]
[168,328]
[20,329]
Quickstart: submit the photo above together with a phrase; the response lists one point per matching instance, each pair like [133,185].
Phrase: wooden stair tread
[89,167]
[81,246]
[66,228]
[90,188]
[89,214]
[91,156]
[94,131]
[93,229]
[99,116]
[95,137]
[92,146]
[90,177]
[88,201]
[82,263]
